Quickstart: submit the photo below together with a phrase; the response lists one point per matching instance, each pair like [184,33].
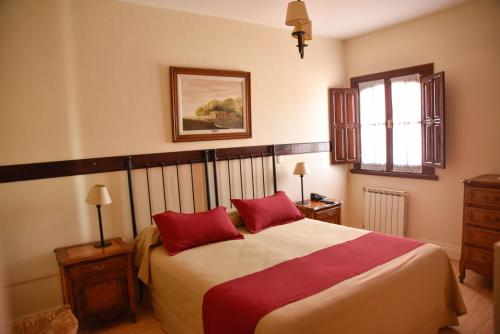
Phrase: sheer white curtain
[407,131]
[372,117]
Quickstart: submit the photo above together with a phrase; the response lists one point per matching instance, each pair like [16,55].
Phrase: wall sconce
[296,15]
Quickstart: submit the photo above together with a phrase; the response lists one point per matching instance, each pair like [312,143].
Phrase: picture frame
[209,104]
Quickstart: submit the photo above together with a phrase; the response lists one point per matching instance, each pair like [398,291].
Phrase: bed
[413,293]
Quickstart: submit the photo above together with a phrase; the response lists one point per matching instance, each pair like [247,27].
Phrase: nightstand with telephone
[322,208]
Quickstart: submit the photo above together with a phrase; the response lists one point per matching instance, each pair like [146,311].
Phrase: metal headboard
[214,157]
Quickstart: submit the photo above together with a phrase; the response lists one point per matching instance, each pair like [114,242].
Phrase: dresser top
[491,180]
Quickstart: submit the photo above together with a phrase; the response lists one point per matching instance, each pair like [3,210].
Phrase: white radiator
[385,211]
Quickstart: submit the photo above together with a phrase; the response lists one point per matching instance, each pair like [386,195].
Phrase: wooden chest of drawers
[481,224]
[97,282]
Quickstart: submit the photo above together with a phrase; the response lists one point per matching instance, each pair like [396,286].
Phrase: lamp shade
[306,28]
[296,13]
[98,195]
[301,169]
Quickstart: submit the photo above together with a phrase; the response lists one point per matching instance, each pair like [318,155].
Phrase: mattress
[414,293]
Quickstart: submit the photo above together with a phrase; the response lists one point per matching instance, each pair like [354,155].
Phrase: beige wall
[4,311]
[463,42]
[90,78]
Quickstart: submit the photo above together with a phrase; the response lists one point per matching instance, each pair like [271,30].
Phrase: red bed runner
[236,306]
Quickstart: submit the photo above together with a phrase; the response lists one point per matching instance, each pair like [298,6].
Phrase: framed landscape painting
[210,104]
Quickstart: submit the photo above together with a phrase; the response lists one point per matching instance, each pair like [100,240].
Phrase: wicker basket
[58,320]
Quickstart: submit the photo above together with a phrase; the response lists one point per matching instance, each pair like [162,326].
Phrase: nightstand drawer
[332,219]
[328,214]
[481,237]
[479,256]
[98,267]
[484,217]
[483,196]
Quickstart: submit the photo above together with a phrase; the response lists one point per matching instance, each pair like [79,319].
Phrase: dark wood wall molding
[44,170]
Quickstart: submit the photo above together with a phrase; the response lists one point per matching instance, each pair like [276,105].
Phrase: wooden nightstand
[329,213]
[97,282]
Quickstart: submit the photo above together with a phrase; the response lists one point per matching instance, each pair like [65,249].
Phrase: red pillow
[181,231]
[262,213]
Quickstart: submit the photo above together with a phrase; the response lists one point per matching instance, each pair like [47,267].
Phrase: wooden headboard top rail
[43,170]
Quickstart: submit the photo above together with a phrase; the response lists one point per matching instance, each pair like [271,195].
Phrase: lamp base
[103,245]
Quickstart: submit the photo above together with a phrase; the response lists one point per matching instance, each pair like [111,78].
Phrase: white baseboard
[452,250]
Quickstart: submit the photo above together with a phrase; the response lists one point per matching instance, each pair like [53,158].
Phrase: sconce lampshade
[301,168]
[98,195]
[306,28]
[296,13]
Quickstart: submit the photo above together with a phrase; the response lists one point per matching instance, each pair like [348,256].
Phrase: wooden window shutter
[344,125]
[433,117]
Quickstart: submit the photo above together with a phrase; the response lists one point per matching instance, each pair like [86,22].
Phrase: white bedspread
[414,293]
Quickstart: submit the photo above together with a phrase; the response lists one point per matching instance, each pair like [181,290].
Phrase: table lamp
[98,195]
[301,169]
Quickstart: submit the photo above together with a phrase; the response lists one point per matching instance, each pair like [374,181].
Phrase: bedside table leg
[461,276]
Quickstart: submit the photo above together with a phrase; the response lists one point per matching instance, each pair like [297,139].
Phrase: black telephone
[320,198]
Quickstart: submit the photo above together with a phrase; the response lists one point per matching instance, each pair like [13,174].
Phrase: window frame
[427,173]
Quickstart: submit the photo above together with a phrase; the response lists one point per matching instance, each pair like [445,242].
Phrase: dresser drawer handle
[99,267]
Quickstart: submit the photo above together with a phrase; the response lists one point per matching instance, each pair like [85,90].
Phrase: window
[372,120]
[406,124]
[398,127]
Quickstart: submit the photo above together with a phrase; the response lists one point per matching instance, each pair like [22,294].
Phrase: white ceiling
[334,18]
